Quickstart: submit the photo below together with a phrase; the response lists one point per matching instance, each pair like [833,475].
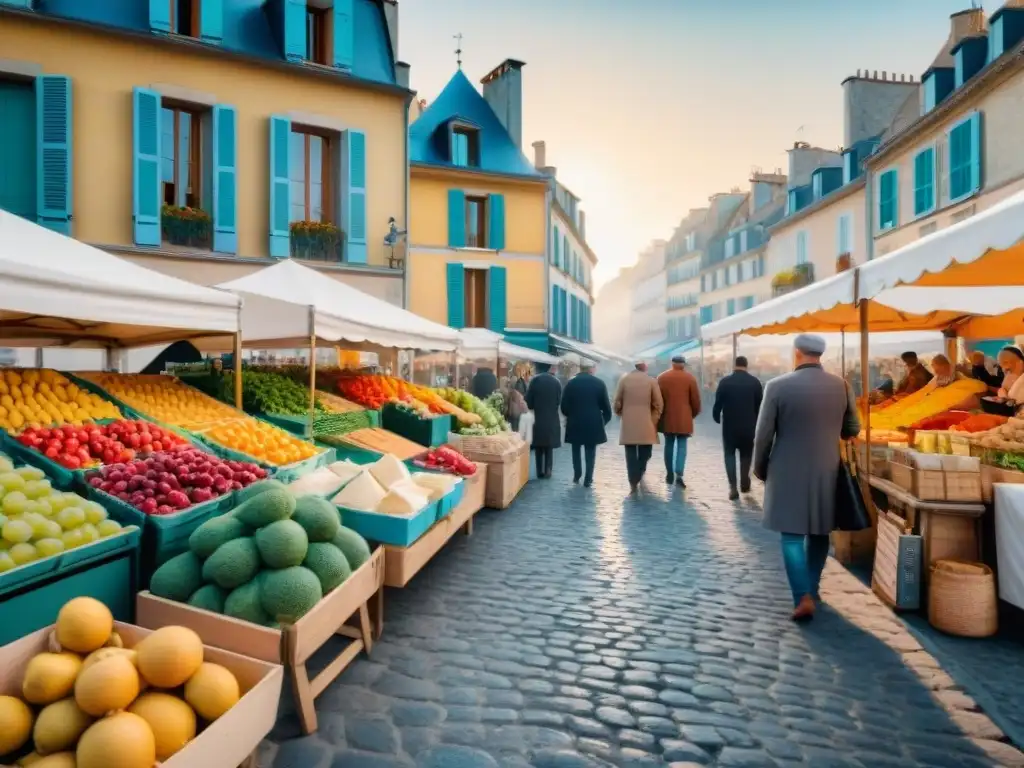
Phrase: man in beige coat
[639,404]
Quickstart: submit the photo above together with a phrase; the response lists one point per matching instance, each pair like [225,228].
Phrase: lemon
[22,553]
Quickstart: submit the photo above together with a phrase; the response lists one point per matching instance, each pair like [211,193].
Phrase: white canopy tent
[57,291]
[480,342]
[287,303]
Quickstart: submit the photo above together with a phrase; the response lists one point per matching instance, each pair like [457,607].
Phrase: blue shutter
[159,16]
[344,34]
[53,152]
[496,222]
[225,181]
[456,218]
[565,253]
[563,311]
[456,295]
[26,4]
[976,154]
[924,181]
[146,166]
[553,311]
[558,244]
[572,316]
[355,247]
[497,299]
[280,188]
[211,21]
[294,29]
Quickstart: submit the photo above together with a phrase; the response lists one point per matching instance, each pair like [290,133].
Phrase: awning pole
[842,353]
[865,471]
[238,369]
[734,348]
[312,370]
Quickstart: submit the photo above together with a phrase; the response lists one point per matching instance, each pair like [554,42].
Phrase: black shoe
[576,480]
[587,483]
[679,482]
[733,494]
[745,488]
[670,478]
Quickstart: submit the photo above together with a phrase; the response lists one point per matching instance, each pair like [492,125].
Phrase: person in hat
[543,396]
[681,395]
[737,401]
[803,417]
[587,410]
[638,403]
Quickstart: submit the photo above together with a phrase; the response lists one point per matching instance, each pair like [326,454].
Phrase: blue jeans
[805,558]
[675,444]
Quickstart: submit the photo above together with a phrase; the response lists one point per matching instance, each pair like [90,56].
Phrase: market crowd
[787,435]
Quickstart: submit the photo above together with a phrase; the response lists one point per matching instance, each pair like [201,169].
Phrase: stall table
[949,530]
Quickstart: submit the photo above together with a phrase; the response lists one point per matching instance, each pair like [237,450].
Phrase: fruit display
[269,561]
[491,421]
[262,392]
[166,482]
[379,441]
[387,487]
[90,445]
[1007,437]
[340,423]
[91,702]
[336,404]
[884,436]
[36,521]
[42,397]
[447,459]
[167,400]
[926,402]
[374,391]
[941,421]
[979,422]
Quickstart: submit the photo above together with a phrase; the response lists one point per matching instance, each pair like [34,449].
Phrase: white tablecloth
[1009,504]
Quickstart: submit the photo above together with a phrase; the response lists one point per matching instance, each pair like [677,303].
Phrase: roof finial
[458,50]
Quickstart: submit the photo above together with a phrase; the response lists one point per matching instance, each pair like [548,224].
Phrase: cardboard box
[226,743]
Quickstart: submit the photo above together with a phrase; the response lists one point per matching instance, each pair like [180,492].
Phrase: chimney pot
[885,75]
[874,74]
[540,159]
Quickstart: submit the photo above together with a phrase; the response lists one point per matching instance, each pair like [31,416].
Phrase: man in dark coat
[587,410]
[543,397]
[737,402]
[484,383]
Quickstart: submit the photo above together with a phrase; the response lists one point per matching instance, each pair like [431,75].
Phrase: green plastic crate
[428,432]
[289,473]
[32,595]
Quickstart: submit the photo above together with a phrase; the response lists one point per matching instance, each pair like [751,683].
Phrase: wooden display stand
[292,645]
[230,741]
[402,563]
[506,479]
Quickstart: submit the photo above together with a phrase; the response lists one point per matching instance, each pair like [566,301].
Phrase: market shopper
[981,372]
[587,410]
[680,394]
[1011,360]
[543,397]
[639,404]
[737,401]
[484,383]
[916,377]
[803,417]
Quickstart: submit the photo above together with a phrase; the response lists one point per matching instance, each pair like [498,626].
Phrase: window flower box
[843,262]
[792,279]
[181,225]
[317,241]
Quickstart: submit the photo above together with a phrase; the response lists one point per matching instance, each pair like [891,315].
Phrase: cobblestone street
[580,628]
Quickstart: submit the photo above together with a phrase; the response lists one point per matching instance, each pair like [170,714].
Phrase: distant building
[612,310]
[648,318]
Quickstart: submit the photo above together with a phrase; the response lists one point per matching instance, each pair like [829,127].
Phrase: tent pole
[312,369]
[238,369]
[865,471]
[734,347]
[702,363]
[842,353]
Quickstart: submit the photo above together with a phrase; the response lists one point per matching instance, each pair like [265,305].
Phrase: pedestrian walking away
[639,404]
[543,397]
[804,416]
[484,383]
[680,393]
[587,411]
[737,402]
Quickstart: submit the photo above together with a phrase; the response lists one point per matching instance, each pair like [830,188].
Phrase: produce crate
[295,644]
[62,478]
[963,487]
[32,594]
[126,410]
[506,479]
[163,536]
[390,529]
[354,454]
[299,425]
[229,741]
[289,473]
[429,432]
[924,484]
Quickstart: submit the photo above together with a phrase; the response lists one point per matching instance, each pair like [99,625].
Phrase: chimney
[540,155]
[871,103]
[391,21]
[402,74]
[503,90]
[582,225]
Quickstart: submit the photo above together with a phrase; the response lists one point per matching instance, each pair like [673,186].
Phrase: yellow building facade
[209,157]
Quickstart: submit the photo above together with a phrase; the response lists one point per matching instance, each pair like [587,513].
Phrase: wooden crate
[231,740]
[402,563]
[292,645]
[925,484]
[506,479]
[963,486]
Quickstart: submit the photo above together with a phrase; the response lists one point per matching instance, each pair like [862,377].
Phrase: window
[844,234]
[801,247]
[465,152]
[691,241]
[318,47]
[924,181]
[18,148]
[849,166]
[931,97]
[965,158]
[743,241]
[730,307]
[475,292]
[732,276]
[476,222]
[730,247]
[180,161]
[556,256]
[703,283]
[309,174]
[759,269]
[888,190]
[185,17]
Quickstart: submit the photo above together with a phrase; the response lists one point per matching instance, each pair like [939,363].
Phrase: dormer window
[184,17]
[318,46]
[465,146]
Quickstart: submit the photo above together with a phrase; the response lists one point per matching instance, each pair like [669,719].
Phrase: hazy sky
[650,106]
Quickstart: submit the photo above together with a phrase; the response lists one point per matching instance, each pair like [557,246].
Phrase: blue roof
[460,100]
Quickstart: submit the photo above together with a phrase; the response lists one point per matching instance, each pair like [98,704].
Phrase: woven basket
[962,599]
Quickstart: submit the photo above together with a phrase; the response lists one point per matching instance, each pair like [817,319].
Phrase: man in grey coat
[803,417]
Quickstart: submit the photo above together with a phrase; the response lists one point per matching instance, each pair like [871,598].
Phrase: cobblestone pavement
[582,629]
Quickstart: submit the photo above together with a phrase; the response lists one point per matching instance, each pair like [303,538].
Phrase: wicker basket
[962,599]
